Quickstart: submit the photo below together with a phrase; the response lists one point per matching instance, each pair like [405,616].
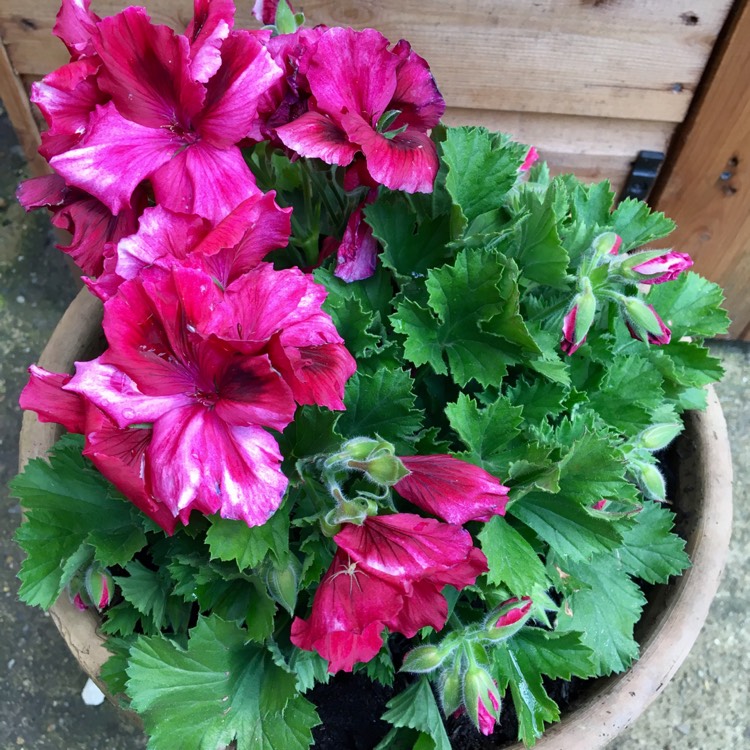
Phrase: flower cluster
[339,400]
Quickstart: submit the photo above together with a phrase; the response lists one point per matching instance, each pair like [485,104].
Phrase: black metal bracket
[642,175]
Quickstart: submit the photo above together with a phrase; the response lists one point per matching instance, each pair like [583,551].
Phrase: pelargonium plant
[379,396]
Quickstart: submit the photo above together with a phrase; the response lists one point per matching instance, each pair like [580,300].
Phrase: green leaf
[122,619]
[637,224]
[113,671]
[690,306]
[649,550]
[477,324]
[353,323]
[566,526]
[558,655]
[482,168]
[628,394]
[511,559]
[536,245]
[234,541]
[69,504]
[409,249]
[216,691]
[533,706]
[147,590]
[416,708]
[382,404]
[604,612]
[689,364]
[485,432]
[539,399]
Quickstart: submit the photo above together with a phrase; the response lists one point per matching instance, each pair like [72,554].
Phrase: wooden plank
[13,96]
[706,187]
[592,148]
[605,58]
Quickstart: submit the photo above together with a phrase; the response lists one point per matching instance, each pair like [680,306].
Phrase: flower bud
[644,323]
[385,470]
[79,603]
[531,158]
[659,436]
[650,481]
[283,583]
[450,689]
[657,266]
[606,244]
[508,618]
[481,698]
[424,659]
[579,318]
[100,586]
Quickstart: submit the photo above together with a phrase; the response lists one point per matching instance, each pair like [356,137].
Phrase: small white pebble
[11,663]
[91,694]
[20,299]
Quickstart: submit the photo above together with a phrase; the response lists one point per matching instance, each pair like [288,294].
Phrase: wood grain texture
[16,102]
[706,188]
[633,60]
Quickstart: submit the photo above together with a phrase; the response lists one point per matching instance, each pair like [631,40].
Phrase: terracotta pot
[671,621]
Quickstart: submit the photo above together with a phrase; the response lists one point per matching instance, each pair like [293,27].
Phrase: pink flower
[94,228]
[348,615]
[397,566]
[357,253]
[355,80]
[569,343]
[209,370]
[452,489]
[531,158]
[119,454]
[236,245]
[666,267]
[178,106]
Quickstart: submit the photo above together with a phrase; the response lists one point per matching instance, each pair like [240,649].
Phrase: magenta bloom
[357,253]
[178,106]
[569,344]
[452,489]
[531,158]
[119,454]
[354,80]
[210,370]
[94,228]
[666,267]
[393,569]
[236,245]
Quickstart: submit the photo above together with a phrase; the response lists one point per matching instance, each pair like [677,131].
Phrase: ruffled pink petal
[210,26]
[241,240]
[316,136]
[353,71]
[423,607]
[45,191]
[247,72]
[120,457]
[407,161]
[115,157]
[404,546]
[452,489]
[357,254]
[531,158]
[94,229]
[67,97]
[197,462]
[118,396]
[416,95]
[316,374]
[204,180]
[147,71]
[250,392]
[44,394]
[463,573]
[162,235]
[75,24]
[348,613]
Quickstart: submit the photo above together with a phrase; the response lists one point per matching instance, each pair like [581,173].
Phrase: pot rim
[615,702]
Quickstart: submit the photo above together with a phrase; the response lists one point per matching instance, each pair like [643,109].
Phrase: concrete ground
[704,708]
